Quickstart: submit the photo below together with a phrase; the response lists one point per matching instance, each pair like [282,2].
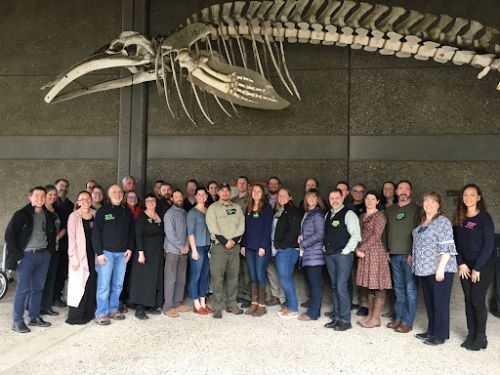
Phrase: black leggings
[475,297]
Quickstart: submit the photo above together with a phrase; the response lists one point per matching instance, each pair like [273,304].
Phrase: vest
[336,234]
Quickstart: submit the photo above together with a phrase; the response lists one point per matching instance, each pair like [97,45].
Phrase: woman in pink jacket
[82,276]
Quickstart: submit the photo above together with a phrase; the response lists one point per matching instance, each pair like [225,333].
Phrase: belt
[36,251]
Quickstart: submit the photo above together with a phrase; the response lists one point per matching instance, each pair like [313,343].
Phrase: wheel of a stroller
[4,284]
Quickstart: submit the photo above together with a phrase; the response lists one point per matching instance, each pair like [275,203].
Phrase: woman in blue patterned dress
[434,263]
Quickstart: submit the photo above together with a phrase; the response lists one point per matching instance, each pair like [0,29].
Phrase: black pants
[50,281]
[437,303]
[85,311]
[62,268]
[475,298]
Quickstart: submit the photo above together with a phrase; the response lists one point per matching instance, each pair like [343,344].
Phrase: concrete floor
[237,345]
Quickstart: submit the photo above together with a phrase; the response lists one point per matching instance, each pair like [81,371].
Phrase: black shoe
[479,343]
[305,304]
[362,311]
[433,341]
[332,324]
[49,312]
[141,315]
[245,304]
[217,314]
[471,336]
[423,336]
[154,311]
[342,327]
[354,306]
[39,322]
[123,308]
[59,302]
[273,301]
[20,327]
[329,314]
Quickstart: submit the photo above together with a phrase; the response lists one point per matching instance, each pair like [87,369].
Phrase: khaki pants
[224,269]
[273,288]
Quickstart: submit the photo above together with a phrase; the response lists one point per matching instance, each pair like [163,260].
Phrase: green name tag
[335,223]
[109,217]
[150,220]
[231,211]
[256,215]
[400,216]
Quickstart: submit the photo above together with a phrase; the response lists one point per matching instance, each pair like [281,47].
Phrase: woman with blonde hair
[475,238]
[434,263]
[82,274]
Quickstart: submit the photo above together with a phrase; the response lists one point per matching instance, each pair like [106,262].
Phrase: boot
[371,302]
[374,321]
[261,309]
[471,336]
[253,307]
[479,343]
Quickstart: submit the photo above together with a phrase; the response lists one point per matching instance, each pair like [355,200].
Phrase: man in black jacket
[30,238]
[113,240]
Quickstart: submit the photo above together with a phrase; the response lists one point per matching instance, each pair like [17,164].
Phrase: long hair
[278,206]
[461,209]
[436,198]
[138,204]
[260,203]
[314,193]
[77,206]
[383,199]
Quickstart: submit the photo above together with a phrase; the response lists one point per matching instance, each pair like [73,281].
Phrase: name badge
[400,216]
[150,220]
[108,217]
[470,225]
[256,215]
[230,211]
[335,223]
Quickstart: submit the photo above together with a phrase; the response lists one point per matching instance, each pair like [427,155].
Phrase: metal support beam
[132,137]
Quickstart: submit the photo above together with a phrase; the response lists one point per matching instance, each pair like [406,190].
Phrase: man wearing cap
[226,224]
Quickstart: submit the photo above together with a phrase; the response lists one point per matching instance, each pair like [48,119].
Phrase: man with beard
[242,199]
[156,188]
[226,224]
[402,218]
[176,247]
[164,202]
[274,290]
[64,208]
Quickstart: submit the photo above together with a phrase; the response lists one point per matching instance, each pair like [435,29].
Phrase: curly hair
[461,210]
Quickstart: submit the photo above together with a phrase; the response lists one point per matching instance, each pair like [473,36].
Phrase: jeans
[339,269]
[285,264]
[437,304]
[257,266]
[31,274]
[314,277]
[199,270]
[110,283]
[405,288]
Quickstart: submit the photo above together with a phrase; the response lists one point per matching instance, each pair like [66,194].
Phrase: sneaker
[20,327]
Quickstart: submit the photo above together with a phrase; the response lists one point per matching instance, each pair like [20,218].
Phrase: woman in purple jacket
[256,247]
[311,244]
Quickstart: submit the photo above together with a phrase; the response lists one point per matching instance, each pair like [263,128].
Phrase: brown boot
[375,316]
[255,296]
[371,301]
[261,309]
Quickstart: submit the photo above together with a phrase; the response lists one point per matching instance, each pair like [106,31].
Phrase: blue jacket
[312,231]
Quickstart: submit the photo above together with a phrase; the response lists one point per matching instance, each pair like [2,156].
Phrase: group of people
[118,251]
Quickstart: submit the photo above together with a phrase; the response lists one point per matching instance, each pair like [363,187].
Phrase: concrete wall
[347,97]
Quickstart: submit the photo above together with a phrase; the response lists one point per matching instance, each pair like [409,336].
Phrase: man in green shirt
[226,224]
[402,218]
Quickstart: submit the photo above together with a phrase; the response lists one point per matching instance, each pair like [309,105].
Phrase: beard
[403,197]
[179,204]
